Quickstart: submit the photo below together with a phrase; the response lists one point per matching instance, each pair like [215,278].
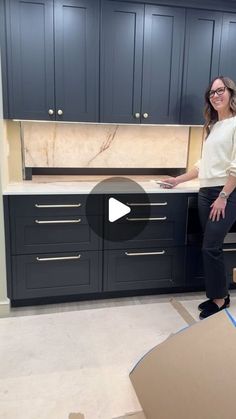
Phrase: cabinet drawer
[48,275]
[157,232]
[53,234]
[134,269]
[43,205]
[166,204]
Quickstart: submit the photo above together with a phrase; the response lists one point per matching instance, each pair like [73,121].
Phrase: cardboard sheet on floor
[191,374]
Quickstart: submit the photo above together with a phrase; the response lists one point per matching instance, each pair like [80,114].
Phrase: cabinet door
[30,58]
[121,61]
[201,64]
[77,59]
[162,66]
[227,54]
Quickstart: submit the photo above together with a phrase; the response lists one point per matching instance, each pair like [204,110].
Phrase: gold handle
[58,258]
[229,250]
[58,206]
[145,253]
[147,219]
[58,221]
[139,204]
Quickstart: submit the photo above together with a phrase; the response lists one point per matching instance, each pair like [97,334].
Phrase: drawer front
[53,234]
[134,269]
[54,205]
[52,275]
[163,232]
[159,205]
[164,221]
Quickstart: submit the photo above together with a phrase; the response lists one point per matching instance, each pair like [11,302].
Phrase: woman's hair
[210,114]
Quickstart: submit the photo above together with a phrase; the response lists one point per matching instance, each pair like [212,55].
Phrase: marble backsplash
[49,144]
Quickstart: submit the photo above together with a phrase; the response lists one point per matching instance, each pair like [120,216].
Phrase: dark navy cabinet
[141,62]
[201,61]
[52,251]
[52,52]
[227,54]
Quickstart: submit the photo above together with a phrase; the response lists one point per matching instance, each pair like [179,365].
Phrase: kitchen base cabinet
[48,275]
[194,267]
[230,263]
[134,269]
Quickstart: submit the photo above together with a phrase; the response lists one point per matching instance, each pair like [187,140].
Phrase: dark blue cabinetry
[52,52]
[141,63]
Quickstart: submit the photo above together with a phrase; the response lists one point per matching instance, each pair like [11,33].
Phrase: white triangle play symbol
[116,210]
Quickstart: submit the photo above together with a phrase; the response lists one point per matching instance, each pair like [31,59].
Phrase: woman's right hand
[172,180]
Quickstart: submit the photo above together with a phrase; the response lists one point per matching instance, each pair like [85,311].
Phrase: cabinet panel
[227,54]
[201,62]
[121,61]
[30,58]
[163,61]
[77,59]
[53,234]
[132,269]
[45,276]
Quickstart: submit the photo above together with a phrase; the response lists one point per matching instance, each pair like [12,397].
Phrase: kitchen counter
[53,185]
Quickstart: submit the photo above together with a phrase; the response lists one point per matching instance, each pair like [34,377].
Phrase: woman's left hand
[218,209]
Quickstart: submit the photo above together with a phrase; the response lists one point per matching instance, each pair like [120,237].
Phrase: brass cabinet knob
[137,115]
[50,111]
[60,112]
[145,115]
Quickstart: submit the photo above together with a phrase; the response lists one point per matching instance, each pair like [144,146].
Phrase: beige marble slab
[99,145]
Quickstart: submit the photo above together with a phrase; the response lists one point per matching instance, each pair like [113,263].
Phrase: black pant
[214,233]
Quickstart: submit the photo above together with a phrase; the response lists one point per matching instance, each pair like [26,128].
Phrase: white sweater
[218,154]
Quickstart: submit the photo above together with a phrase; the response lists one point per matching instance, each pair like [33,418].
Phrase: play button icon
[123,211]
[117,210]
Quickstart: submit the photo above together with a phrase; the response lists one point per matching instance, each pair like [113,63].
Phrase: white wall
[4,302]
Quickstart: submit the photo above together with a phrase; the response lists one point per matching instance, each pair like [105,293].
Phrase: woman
[217,195]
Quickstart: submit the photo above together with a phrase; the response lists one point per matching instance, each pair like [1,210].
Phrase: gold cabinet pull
[58,205]
[145,253]
[147,219]
[229,250]
[145,204]
[58,258]
[58,221]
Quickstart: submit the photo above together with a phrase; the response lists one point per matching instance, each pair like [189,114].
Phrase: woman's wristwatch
[223,195]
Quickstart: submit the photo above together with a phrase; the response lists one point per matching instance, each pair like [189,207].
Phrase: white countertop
[52,185]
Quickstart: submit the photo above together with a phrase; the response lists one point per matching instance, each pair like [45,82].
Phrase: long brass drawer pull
[58,206]
[145,204]
[58,258]
[229,250]
[145,253]
[58,221]
[147,219]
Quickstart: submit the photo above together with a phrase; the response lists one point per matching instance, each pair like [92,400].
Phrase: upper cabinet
[141,63]
[113,61]
[201,61]
[228,47]
[53,59]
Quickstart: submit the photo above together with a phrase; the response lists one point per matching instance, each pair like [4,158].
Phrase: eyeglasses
[220,91]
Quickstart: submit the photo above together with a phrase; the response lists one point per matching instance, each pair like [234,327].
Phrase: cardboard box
[192,374]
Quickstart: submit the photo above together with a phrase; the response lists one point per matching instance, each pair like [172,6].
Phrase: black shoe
[211,309]
[206,303]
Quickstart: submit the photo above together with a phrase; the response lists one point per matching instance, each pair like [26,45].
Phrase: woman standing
[216,171]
